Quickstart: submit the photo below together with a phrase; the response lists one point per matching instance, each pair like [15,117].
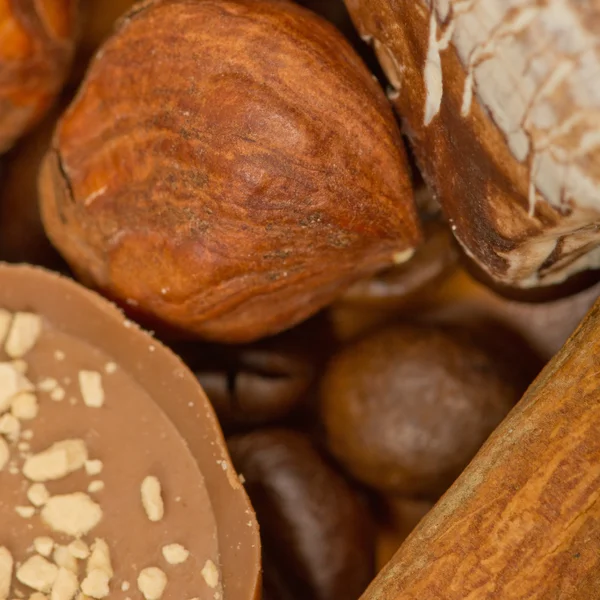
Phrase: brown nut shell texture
[227,167]
[37,41]
[502,103]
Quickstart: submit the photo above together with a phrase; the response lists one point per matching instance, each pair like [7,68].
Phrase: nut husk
[227,167]
[523,520]
[501,103]
[317,537]
[37,41]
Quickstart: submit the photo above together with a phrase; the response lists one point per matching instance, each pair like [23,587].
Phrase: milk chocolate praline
[150,398]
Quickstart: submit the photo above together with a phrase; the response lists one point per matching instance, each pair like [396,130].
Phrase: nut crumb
[100,558]
[43,546]
[59,355]
[25,511]
[47,384]
[175,554]
[110,367]
[24,406]
[74,514]
[55,462]
[93,467]
[58,394]
[65,586]
[38,574]
[125,586]
[38,494]
[152,498]
[6,568]
[210,574]
[4,456]
[79,549]
[64,559]
[23,334]
[10,427]
[152,583]
[95,486]
[96,584]
[90,385]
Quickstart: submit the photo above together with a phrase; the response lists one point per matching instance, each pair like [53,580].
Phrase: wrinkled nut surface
[316,534]
[36,47]
[501,102]
[406,408]
[260,187]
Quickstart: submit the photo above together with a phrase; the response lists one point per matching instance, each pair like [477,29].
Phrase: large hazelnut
[406,408]
[317,538]
[227,167]
[36,48]
[501,103]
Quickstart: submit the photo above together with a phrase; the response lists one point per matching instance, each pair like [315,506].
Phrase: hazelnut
[316,534]
[406,408]
[251,385]
[227,167]
[36,48]
[500,101]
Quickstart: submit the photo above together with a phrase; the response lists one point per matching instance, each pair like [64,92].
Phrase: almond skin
[228,167]
[36,48]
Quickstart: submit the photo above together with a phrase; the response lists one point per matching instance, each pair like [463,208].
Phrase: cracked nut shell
[407,408]
[37,41]
[227,167]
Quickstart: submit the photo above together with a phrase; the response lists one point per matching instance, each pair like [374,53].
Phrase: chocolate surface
[155,421]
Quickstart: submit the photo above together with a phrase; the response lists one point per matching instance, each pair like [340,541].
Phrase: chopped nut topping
[64,559]
[10,427]
[175,554]
[110,367]
[65,586]
[25,511]
[58,394]
[4,456]
[152,498]
[38,494]
[96,584]
[20,365]
[79,549]
[95,486]
[43,546]
[23,334]
[210,574]
[100,558]
[38,574]
[11,383]
[59,355]
[24,406]
[6,568]
[74,514]
[93,467]
[92,392]
[125,586]
[57,461]
[47,384]
[152,583]
[5,319]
